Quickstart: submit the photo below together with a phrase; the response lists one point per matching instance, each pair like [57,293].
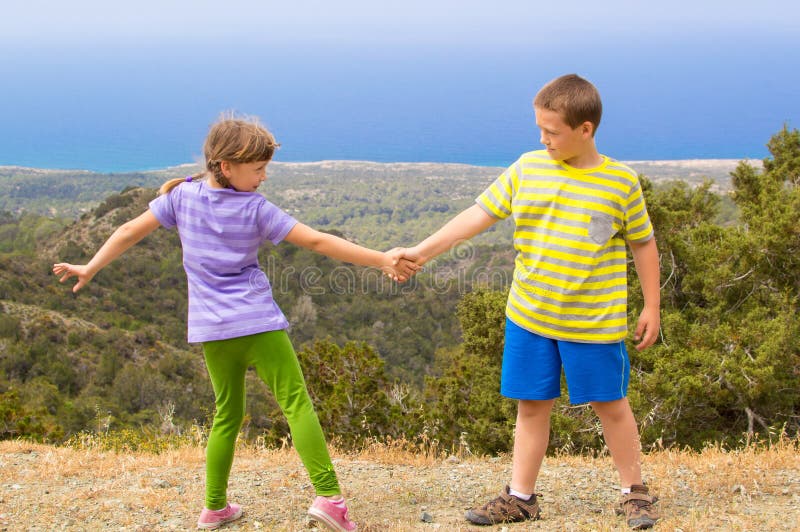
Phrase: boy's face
[562,142]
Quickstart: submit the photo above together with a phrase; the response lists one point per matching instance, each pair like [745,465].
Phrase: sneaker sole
[642,523]
[476,519]
[212,526]
[326,520]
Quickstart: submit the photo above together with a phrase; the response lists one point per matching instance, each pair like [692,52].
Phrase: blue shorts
[532,368]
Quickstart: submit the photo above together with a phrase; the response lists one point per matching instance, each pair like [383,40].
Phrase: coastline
[712,164]
[665,165]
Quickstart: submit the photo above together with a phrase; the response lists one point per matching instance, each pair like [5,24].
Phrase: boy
[573,210]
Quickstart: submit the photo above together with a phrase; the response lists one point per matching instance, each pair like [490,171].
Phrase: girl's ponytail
[172,183]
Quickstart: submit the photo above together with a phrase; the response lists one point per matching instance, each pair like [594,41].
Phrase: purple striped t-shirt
[221,231]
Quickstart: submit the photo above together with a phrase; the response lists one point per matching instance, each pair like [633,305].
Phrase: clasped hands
[402,263]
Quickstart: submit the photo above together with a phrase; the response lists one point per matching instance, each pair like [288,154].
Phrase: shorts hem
[528,396]
[601,399]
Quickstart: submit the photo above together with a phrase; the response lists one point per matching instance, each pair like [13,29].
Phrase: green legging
[276,363]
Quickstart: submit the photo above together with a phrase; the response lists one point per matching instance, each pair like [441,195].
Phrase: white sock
[519,495]
[625,491]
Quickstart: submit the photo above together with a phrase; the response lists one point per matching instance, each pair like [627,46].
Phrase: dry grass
[389,488]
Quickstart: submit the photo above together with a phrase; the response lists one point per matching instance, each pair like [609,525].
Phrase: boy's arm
[463,226]
[120,241]
[340,249]
[645,258]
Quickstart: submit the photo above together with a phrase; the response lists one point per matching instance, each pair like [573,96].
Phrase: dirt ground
[55,488]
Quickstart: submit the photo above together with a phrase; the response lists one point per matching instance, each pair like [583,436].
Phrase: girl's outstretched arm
[340,249]
[461,227]
[123,238]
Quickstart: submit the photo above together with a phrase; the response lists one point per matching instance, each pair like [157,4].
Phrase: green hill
[418,361]
[380,205]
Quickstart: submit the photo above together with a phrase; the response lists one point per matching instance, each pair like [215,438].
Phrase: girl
[222,221]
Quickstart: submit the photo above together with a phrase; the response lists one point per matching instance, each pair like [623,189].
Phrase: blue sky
[426,80]
[429,21]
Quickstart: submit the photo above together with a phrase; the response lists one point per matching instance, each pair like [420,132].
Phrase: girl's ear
[225,167]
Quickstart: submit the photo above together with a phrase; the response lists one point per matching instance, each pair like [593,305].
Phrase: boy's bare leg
[531,437]
[622,438]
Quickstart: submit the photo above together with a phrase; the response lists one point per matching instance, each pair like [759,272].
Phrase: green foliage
[23,234]
[113,202]
[20,420]
[730,357]
[110,366]
[353,395]
[464,405]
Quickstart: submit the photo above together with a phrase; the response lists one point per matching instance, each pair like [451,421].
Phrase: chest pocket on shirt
[601,228]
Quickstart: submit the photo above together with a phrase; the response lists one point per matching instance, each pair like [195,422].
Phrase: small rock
[160,483]
[738,488]
[452,459]
[426,517]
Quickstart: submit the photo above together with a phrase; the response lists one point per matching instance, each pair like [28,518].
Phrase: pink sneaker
[216,518]
[333,515]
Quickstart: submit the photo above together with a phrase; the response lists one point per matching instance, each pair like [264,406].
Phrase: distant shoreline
[713,165]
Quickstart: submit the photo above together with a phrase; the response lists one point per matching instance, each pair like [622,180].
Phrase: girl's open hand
[65,271]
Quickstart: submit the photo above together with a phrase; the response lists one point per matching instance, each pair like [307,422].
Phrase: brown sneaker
[504,509]
[638,508]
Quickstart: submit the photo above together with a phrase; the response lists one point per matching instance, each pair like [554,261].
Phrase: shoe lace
[640,504]
[497,501]
[502,502]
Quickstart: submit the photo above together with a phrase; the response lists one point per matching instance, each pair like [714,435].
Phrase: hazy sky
[398,22]
[432,80]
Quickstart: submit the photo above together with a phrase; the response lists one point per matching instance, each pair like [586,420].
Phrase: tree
[354,398]
[464,405]
[730,356]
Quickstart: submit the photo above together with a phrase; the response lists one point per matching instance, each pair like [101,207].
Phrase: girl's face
[245,177]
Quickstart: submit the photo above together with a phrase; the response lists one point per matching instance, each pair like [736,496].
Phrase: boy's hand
[66,271]
[399,268]
[647,328]
[413,255]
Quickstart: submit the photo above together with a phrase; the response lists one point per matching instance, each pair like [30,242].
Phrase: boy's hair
[574,98]
[235,140]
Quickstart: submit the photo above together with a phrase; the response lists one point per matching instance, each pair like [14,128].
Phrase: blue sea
[148,106]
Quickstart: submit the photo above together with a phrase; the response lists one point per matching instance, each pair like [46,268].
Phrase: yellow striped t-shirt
[571,224]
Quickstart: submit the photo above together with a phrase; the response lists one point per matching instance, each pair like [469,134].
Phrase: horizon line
[664,162]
